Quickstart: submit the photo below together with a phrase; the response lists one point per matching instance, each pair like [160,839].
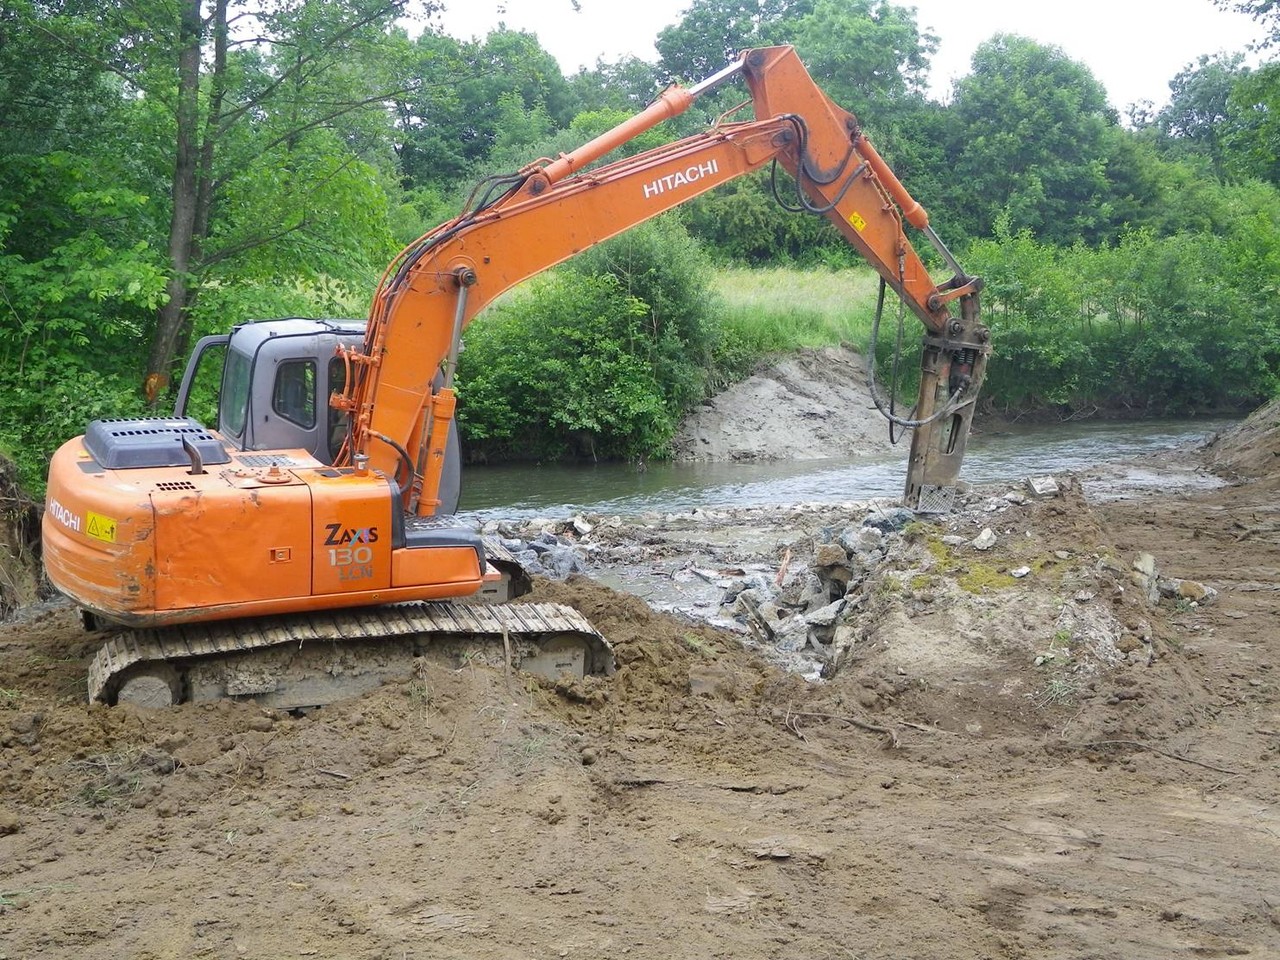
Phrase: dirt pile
[1252,450]
[806,406]
[984,620]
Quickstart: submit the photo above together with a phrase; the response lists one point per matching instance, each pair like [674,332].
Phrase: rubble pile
[1017,574]
[1015,589]
[812,609]
[545,548]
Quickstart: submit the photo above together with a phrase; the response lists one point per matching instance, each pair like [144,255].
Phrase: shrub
[563,370]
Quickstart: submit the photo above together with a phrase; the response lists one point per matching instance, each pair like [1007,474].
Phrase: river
[1008,454]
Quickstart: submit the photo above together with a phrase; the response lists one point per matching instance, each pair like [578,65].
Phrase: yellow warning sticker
[101,528]
[857,222]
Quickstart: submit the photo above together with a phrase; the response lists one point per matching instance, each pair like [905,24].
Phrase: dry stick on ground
[782,570]
[871,727]
[852,721]
[790,723]
[1250,531]
[1154,749]
[1083,841]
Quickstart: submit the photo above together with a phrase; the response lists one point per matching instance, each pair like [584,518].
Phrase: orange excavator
[303,550]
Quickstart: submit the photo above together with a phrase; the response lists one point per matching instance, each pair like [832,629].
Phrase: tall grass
[784,308]
[781,309]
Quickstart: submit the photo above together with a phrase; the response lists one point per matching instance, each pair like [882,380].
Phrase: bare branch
[374,14]
[252,243]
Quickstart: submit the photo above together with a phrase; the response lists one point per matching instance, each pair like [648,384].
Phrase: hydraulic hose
[954,402]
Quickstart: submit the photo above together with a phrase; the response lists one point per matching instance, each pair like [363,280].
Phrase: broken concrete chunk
[826,616]
[1145,578]
[769,612]
[1043,486]
[748,601]
[791,635]
[1196,592]
[889,521]
[846,635]
[1145,564]
[984,541]
[830,555]
[1172,588]
[865,540]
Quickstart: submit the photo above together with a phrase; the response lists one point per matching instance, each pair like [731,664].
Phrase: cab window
[294,395]
[234,405]
[338,419]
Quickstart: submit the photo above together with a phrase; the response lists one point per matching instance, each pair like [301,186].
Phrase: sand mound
[806,406]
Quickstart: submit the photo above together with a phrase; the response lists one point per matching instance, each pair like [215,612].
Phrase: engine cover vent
[151,442]
[259,460]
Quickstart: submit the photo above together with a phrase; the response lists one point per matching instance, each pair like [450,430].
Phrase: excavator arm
[400,393]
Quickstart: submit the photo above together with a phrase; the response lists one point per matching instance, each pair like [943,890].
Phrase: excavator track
[307,660]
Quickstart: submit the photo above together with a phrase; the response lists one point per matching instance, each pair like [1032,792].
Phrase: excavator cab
[272,389]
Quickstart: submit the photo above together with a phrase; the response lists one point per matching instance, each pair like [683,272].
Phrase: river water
[1009,454]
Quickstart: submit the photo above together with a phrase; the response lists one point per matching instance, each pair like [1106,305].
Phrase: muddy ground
[998,767]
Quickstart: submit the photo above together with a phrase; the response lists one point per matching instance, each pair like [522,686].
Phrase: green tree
[629,85]
[1266,12]
[869,56]
[242,118]
[743,222]
[712,33]
[659,265]
[474,94]
[558,372]
[600,359]
[1251,142]
[1198,116]
[1030,142]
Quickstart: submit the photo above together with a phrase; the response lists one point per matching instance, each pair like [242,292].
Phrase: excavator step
[306,660]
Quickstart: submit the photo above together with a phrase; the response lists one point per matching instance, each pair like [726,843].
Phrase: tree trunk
[169,320]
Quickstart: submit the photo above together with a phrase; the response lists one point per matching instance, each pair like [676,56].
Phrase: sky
[1134,47]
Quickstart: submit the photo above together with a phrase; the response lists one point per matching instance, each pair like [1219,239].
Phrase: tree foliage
[1251,142]
[1157,324]
[563,372]
[1198,112]
[869,56]
[248,131]
[712,33]
[600,360]
[1029,142]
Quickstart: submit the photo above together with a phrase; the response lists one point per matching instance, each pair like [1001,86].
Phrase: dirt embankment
[1051,764]
[807,406]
